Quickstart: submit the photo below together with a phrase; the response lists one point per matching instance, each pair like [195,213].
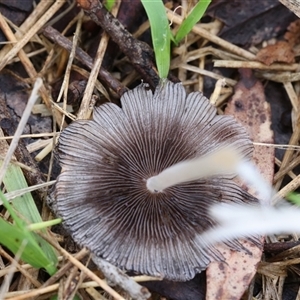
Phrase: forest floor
[243,57]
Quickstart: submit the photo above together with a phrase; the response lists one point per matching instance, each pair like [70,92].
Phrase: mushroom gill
[102,196]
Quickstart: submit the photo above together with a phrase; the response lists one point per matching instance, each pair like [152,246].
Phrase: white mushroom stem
[249,173]
[237,221]
[221,162]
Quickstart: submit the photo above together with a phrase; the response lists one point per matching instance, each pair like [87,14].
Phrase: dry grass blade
[14,194]
[90,274]
[23,121]
[173,17]
[31,32]
[85,109]
[5,286]
[255,65]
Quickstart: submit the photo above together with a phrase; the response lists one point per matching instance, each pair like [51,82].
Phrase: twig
[35,135]
[14,194]
[290,187]
[124,281]
[139,53]
[216,76]
[23,121]
[31,32]
[25,273]
[64,87]
[90,274]
[290,166]
[282,77]
[29,294]
[292,95]
[81,254]
[83,57]
[5,285]
[255,65]
[213,38]
[286,160]
[292,5]
[28,65]
[39,10]
[83,268]
[217,91]
[85,110]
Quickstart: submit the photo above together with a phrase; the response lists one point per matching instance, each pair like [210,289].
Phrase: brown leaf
[248,105]
[280,52]
[230,279]
[248,24]
[292,36]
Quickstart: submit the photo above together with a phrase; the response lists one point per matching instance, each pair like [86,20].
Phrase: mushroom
[104,195]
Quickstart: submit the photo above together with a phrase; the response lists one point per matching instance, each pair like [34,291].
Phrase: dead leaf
[246,24]
[230,279]
[280,52]
[248,105]
[292,36]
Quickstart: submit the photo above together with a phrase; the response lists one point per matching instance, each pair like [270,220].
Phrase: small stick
[229,81]
[292,95]
[85,110]
[81,254]
[255,65]
[290,187]
[30,33]
[14,143]
[24,272]
[139,53]
[38,11]
[83,268]
[8,278]
[217,91]
[90,274]
[293,164]
[292,5]
[213,38]
[281,77]
[83,57]
[124,281]
[287,158]
[18,193]
[28,65]
[64,87]
[35,135]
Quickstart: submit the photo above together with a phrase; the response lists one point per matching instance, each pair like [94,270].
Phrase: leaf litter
[193,63]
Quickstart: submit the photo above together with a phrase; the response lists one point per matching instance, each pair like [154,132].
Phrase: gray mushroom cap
[101,193]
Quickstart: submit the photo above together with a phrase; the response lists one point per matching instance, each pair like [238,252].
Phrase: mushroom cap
[101,193]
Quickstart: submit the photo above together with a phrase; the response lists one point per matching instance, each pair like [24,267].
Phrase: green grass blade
[42,225]
[14,180]
[109,4]
[194,16]
[13,236]
[294,198]
[161,34]
[25,205]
